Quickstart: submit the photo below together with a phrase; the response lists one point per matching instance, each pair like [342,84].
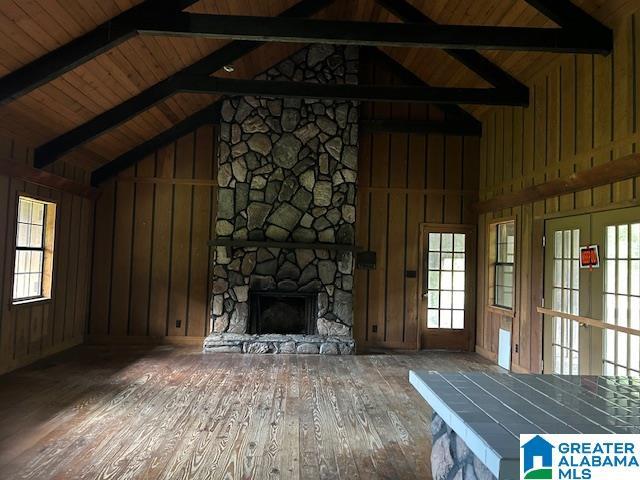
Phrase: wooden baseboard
[34,357]
[143,340]
[486,354]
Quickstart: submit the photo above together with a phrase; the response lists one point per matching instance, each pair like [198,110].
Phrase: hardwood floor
[174,413]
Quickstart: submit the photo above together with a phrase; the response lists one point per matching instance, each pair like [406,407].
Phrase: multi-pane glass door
[622,299]
[602,334]
[566,340]
[447,295]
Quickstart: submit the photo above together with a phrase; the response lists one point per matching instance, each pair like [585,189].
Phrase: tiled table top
[489,411]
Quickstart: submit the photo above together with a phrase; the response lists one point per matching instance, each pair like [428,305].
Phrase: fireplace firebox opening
[283,313]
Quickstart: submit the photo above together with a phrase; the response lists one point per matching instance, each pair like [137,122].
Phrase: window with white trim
[33,250]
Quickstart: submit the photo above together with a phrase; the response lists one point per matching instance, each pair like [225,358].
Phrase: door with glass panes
[448,298]
[609,295]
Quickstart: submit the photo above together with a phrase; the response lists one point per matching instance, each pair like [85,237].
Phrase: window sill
[30,303]
[507,312]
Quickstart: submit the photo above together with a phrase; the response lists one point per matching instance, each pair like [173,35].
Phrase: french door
[600,335]
[447,279]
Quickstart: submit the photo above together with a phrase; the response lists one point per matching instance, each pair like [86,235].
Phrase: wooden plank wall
[31,332]
[583,112]
[151,258]
[404,180]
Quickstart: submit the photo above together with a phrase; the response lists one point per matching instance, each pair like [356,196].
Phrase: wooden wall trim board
[573,150]
[610,172]
[36,176]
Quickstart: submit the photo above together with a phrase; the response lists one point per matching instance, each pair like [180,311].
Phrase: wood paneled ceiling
[31,28]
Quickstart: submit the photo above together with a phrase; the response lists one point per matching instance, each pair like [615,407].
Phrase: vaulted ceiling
[30,29]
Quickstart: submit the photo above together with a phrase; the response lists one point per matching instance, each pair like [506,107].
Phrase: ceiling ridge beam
[473,60]
[50,151]
[364,93]
[343,32]
[208,115]
[82,49]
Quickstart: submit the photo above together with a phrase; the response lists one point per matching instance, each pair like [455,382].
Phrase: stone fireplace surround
[287,171]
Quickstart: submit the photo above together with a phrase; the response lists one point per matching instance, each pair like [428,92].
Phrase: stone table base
[451,459]
[308,344]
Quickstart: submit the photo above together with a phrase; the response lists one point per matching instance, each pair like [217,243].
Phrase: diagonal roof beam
[469,58]
[300,30]
[55,148]
[210,114]
[82,49]
[570,17]
[410,78]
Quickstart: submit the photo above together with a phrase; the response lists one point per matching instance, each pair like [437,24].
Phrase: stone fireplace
[287,170]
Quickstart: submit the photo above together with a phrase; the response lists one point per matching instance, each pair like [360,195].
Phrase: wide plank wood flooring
[174,413]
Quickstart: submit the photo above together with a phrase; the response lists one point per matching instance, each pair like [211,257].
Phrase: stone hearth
[287,171]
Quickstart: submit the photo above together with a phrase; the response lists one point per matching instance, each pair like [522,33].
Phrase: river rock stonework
[287,171]
[451,459]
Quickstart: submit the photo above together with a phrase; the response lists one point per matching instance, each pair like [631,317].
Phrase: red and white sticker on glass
[590,257]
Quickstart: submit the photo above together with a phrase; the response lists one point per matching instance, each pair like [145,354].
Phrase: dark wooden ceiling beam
[211,115]
[232,52]
[363,93]
[473,60]
[407,77]
[305,30]
[80,50]
[208,115]
[569,16]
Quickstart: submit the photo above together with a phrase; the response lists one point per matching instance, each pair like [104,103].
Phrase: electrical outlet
[374,328]
[178,323]
[516,348]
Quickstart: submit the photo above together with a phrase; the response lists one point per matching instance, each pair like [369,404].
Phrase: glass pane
[575,249]
[434,260]
[458,262]
[609,344]
[434,242]
[432,318]
[458,319]
[459,242]
[567,244]
[458,300]
[445,318]
[447,242]
[622,312]
[433,299]
[446,281]
[36,237]
[458,280]
[446,299]
[37,213]
[622,277]
[623,241]
[611,242]
[634,277]
[447,261]
[634,250]
[24,210]
[621,355]
[557,244]
[434,280]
